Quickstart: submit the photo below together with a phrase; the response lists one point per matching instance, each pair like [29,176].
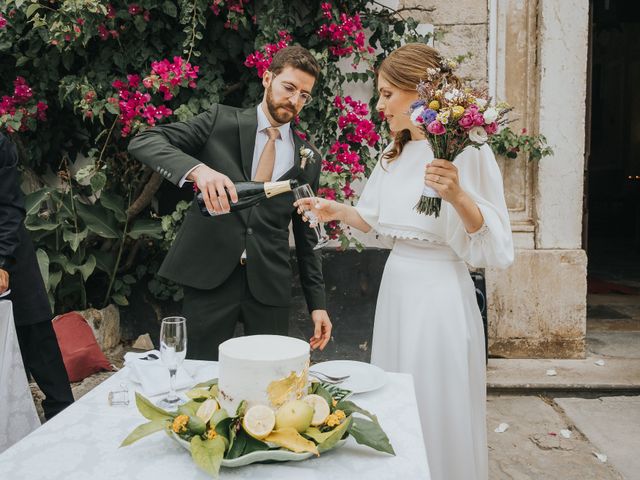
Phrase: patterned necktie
[268,156]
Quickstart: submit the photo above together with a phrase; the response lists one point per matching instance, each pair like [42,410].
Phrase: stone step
[617,374]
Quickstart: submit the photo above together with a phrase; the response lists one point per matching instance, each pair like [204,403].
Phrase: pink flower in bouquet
[3,21]
[466,121]
[491,128]
[436,128]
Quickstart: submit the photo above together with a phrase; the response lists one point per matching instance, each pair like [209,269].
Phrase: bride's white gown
[427,321]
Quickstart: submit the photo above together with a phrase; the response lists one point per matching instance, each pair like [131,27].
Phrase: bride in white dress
[427,321]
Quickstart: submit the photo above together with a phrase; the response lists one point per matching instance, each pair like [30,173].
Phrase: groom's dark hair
[296,57]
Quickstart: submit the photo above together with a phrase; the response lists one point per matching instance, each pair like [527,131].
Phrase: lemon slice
[321,409]
[259,421]
[207,409]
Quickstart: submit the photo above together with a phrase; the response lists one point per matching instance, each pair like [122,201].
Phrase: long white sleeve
[480,178]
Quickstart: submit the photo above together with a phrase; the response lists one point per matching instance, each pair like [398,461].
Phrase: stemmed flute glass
[305,191]
[173,350]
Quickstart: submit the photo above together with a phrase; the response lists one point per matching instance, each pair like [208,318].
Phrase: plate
[364,377]
[260,455]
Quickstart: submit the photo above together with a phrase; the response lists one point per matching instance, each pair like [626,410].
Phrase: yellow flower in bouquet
[457,111]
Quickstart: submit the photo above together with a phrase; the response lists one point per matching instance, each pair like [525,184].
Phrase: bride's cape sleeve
[369,202]
[480,178]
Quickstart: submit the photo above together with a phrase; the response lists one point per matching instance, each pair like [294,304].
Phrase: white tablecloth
[82,442]
[18,415]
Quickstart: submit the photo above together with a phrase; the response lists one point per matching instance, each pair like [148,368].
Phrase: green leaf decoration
[190,408]
[196,425]
[222,426]
[150,228]
[99,220]
[207,454]
[316,435]
[151,411]
[336,434]
[349,407]
[207,384]
[370,434]
[143,430]
[244,444]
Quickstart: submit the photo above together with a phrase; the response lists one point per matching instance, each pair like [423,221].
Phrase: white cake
[262,370]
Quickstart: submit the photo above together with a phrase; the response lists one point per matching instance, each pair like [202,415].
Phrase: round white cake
[262,370]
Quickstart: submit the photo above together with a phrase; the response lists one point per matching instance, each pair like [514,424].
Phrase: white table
[82,442]
[18,415]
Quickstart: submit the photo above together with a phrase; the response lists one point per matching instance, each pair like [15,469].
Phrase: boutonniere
[306,155]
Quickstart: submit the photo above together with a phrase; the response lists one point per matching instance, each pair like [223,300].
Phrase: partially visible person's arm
[11,208]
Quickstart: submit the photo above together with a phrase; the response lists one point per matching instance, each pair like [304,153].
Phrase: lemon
[259,421]
[321,409]
[207,409]
[296,414]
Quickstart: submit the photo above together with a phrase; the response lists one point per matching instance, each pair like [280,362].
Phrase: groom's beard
[280,112]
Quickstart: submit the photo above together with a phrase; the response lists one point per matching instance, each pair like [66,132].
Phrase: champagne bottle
[250,193]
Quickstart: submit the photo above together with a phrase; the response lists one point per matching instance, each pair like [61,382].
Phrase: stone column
[537,308]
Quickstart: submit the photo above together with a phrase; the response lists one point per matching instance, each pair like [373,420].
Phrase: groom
[236,266]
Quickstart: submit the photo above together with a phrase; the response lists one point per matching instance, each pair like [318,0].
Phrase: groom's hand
[322,329]
[214,187]
[4,281]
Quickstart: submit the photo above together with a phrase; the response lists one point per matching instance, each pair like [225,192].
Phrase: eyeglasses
[290,90]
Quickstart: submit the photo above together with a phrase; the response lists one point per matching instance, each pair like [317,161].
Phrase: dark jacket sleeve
[11,202]
[309,260]
[170,149]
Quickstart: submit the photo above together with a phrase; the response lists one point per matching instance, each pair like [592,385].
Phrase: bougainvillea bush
[79,79]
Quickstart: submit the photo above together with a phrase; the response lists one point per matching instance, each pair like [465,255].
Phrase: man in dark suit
[236,266]
[19,272]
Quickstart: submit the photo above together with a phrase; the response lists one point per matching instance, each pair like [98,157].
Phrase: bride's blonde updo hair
[405,68]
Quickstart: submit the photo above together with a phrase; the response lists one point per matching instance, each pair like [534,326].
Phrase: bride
[427,321]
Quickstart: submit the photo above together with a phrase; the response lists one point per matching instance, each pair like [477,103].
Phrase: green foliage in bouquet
[510,144]
[214,436]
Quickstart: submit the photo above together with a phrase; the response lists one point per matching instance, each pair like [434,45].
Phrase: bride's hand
[325,210]
[442,176]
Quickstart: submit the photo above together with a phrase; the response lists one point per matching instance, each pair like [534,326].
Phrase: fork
[328,378]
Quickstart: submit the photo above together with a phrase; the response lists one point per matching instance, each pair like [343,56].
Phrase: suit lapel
[247,128]
[294,171]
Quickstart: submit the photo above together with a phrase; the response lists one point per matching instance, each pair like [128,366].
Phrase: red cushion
[80,351]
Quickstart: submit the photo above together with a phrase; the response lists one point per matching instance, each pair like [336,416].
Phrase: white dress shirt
[284,148]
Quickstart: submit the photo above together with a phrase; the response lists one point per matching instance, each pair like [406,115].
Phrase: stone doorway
[611,233]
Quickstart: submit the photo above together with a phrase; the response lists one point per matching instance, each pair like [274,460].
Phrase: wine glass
[305,191]
[173,349]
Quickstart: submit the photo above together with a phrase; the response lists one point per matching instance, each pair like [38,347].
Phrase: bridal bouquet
[452,118]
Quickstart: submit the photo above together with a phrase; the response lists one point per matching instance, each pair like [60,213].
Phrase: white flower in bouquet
[416,114]
[443,117]
[481,102]
[478,135]
[490,115]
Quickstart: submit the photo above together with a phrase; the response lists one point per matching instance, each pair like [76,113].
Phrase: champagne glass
[305,191]
[173,349]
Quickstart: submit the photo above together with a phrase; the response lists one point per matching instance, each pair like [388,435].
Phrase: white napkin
[153,375]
